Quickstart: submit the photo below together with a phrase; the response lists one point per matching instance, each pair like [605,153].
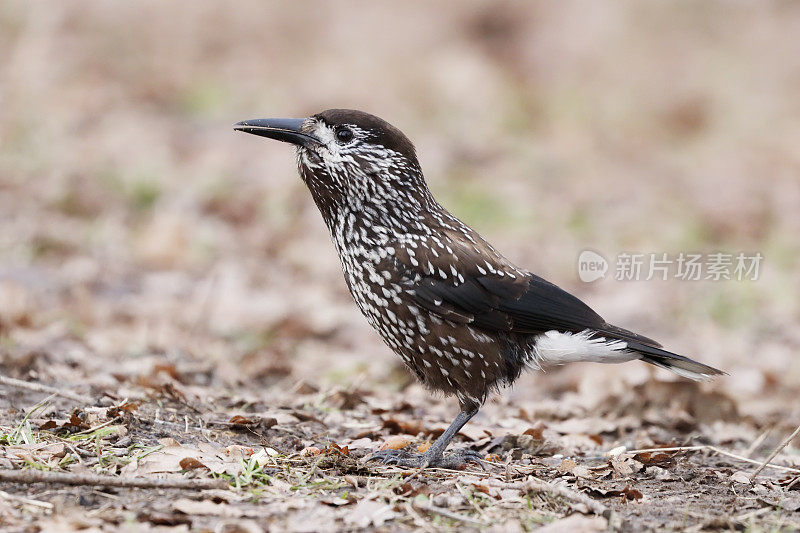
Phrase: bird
[463,318]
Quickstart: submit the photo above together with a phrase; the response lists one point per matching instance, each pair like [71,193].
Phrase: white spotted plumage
[392,237]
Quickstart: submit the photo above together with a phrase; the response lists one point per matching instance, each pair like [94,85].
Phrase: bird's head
[347,157]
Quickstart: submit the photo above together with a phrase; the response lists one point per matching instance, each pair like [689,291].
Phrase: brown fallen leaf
[396,442]
[239,420]
[482,488]
[166,368]
[567,466]
[190,463]
[422,448]
[370,512]
[597,438]
[653,458]
[629,493]
[410,491]
[125,407]
[335,449]
[411,427]
[535,432]
[207,508]
[310,451]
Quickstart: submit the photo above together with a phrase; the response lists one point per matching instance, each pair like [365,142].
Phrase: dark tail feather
[683,366]
[655,355]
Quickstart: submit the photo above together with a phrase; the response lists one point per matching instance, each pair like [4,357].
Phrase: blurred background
[137,229]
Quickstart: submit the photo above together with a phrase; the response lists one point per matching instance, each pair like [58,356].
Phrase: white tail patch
[557,348]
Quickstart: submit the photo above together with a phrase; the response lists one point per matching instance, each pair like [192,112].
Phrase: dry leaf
[190,463]
[629,493]
[339,501]
[239,420]
[410,491]
[567,466]
[411,427]
[396,442]
[369,512]
[335,449]
[740,477]
[624,465]
[576,523]
[208,508]
[535,432]
[310,451]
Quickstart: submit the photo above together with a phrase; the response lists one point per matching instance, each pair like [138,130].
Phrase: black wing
[506,304]
[476,285]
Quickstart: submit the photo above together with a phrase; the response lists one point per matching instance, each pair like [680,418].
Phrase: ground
[171,285]
[298,463]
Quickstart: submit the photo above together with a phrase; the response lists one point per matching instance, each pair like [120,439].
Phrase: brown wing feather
[469,282]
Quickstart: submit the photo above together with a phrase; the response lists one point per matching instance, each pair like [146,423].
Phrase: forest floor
[662,455]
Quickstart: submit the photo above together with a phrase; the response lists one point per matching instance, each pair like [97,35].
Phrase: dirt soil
[296,461]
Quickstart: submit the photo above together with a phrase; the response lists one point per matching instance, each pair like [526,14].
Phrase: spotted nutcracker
[459,314]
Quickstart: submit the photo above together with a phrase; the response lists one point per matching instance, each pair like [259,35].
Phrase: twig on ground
[775,452]
[449,514]
[76,452]
[752,514]
[672,449]
[756,443]
[36,503]
[39,387]
[752,461]
[100,426]
[417,472]
[471,501]
[719,451]
[418,518]
[538,485]
[67,478]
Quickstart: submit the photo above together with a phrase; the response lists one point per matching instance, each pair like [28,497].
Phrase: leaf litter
[281,460]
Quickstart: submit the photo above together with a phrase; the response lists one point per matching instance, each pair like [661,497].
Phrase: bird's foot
[455,460]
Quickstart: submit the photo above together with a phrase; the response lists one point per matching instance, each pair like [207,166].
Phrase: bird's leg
[434,456]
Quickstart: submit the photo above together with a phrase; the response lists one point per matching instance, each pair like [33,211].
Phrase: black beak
[282,129]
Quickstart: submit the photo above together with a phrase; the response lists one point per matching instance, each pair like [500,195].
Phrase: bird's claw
[455,460]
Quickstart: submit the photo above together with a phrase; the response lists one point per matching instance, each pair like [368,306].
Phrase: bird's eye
[344,135]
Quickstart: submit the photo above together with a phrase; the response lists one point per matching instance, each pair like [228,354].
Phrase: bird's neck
[372,207]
